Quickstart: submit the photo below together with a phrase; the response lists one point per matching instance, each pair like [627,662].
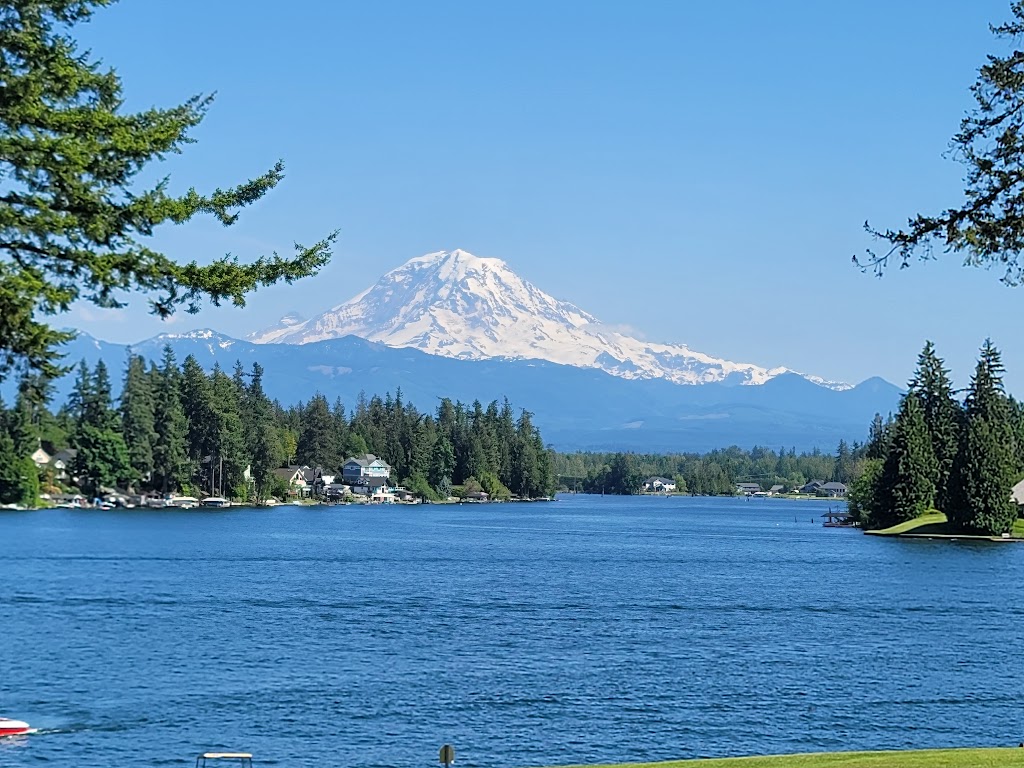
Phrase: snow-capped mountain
[455,304]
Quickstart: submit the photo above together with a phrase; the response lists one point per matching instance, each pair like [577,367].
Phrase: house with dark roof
[61,463]
[776,489]
[833,490]
[748,488]
[366,470]
[812,487]
[294,477]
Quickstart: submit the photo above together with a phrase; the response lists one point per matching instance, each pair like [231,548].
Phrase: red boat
[13,727]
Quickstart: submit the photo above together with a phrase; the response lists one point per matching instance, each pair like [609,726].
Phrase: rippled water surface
[590,629]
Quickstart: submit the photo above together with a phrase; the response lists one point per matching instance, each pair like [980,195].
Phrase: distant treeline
[708,474]
[179,429]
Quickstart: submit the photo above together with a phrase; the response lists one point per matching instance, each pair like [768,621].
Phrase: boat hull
[13,727]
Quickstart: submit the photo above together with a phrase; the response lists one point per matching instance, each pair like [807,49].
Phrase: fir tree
[318,441]
[879,437]
[229,458]
[907,488]
[262,437]
[138,422]
[19,481]
[75,220]
[984,470]
[942,417]
[170,463]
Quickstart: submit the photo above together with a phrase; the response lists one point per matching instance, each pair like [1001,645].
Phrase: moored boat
[214,502]
[10,727]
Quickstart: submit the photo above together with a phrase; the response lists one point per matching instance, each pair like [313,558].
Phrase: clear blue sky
[697,171]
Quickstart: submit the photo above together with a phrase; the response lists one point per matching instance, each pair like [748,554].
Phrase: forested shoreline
[715,473]
[180,429]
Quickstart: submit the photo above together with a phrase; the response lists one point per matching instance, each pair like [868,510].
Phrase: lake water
[589,629]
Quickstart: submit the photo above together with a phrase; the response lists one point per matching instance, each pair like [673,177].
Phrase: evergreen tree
[879,437]
[864,499]
[197,405]
[19,481]
[75,223]
[229,457]
[942,417]
[906,485]
[263,440]
[318,440]
[101,458]
[138,423]
[985,467]
[170,462]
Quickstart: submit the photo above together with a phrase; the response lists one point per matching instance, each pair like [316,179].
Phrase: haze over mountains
[455,304]
[454,325]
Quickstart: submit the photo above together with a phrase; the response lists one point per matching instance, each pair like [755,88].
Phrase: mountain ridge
[576,408]
[455,304]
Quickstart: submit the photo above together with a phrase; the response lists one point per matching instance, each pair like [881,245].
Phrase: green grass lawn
[934,524]
[926,758]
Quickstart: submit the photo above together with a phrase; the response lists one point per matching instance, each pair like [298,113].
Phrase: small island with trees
[942,466]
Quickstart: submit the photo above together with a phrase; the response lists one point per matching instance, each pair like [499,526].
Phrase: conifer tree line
[714,473]
[958,457]
[180,429]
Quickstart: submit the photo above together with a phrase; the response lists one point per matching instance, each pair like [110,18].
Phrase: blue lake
[590,629]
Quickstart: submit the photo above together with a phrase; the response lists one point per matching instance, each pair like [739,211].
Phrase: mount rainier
[455,304]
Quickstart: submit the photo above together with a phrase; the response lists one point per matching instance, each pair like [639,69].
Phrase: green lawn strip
[926,758]
[932,522]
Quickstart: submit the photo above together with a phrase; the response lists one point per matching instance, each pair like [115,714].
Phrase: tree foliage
[988,226]
[942,417]
[74,221]
[907,486]
[986,462]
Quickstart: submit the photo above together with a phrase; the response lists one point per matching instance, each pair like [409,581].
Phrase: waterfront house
[294,477]
[659,485]
[366,470]
[775,489]
[748,488]
[813,487]
[40,457]
[833,490]
[316,479]
[1017,494]
[62,461]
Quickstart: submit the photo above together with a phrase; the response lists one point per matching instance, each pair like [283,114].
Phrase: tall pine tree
[907,487]
[170,463]
[942,417]
[138,422]
[985,466]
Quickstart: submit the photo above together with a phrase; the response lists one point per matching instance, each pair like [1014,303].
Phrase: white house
[1017,494]
[659,485]
[41,457]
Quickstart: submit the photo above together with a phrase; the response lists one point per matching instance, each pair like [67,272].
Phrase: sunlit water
[589,629]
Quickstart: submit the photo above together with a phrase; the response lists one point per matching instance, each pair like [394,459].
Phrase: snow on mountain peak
[455,304]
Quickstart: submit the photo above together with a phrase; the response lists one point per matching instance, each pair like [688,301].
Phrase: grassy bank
[926,758]
[935,524]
